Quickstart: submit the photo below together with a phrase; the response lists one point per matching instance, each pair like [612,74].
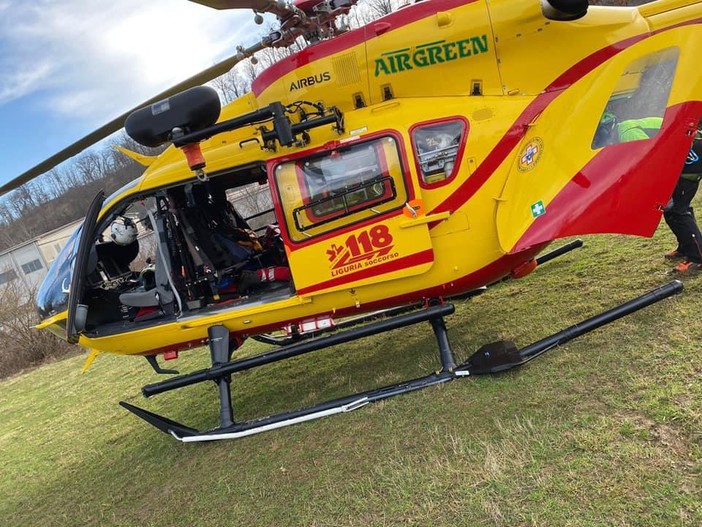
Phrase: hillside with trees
[60,196]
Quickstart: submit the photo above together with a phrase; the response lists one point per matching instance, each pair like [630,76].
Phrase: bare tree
[371,10]
[5,214]
[231,85]
[21,344]
[54,179]
[92,165]
[249,72]
[381,8]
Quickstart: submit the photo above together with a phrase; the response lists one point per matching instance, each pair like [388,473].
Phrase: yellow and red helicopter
[421,157]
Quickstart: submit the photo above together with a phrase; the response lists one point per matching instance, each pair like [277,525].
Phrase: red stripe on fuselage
[412,260]
[517,131]
[486,275]
[622,188]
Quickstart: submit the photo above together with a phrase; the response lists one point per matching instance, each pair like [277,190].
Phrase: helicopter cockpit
[199,246]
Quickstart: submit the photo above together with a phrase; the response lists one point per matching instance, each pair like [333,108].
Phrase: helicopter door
[77,312]
[348,219]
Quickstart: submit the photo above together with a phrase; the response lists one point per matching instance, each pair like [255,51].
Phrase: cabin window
[7,276]
[254,203]
[334,188]
[636,107]
[30,267]
[436,149]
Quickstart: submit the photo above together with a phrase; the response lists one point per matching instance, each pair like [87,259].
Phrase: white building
[52,242]
[26,264]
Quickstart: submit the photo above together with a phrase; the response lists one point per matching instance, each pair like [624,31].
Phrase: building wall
[22,267]
[25,266]
[52,242]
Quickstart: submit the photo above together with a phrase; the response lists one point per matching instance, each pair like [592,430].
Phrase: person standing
[680,216]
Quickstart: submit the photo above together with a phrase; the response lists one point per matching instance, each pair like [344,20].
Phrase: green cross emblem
[538,209]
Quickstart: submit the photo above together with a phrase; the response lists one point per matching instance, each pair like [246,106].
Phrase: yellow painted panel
[442,55]
[378,252]
[530,47]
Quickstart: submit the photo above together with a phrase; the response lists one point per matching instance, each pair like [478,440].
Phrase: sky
[70,66]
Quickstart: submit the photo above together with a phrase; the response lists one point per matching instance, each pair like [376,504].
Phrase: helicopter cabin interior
[201,245]
[214,245]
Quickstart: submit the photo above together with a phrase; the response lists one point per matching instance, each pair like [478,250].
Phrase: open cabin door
[76,313]
[348,219]
[607,172]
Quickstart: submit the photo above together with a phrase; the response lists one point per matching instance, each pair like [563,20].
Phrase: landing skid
[491,358]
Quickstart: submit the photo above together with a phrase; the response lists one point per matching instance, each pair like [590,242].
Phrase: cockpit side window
[52,296]
[636,107]
[437,149]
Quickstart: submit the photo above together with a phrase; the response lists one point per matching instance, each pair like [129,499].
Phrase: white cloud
[23,80]
[97,59]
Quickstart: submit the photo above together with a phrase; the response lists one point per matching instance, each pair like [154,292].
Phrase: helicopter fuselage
[469,143]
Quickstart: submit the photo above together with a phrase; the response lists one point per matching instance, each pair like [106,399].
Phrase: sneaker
[674,255]
[688,267]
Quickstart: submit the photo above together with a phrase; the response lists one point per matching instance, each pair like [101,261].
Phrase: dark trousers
[681,219]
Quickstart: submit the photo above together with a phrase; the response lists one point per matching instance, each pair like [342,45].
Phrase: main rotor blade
[117,124]
[275,7]
[257,5]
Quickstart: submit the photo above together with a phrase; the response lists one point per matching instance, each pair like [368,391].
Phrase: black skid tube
[560,251]
[295,350]
[263,424]
[663,292]
[503,355]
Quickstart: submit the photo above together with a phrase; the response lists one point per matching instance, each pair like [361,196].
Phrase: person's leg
[673,214]
[681,220]
[687,231]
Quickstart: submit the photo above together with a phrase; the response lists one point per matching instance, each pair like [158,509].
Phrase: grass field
[606,430]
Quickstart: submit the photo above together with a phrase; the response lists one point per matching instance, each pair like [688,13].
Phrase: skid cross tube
[295,350]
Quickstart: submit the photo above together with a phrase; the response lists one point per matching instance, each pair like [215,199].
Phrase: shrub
[21,344]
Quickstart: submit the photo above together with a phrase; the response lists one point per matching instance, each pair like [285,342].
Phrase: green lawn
[606,430]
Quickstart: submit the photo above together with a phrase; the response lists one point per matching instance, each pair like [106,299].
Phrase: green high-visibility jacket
[635,129]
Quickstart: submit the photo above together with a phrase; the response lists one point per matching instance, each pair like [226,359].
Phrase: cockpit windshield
[52,297]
